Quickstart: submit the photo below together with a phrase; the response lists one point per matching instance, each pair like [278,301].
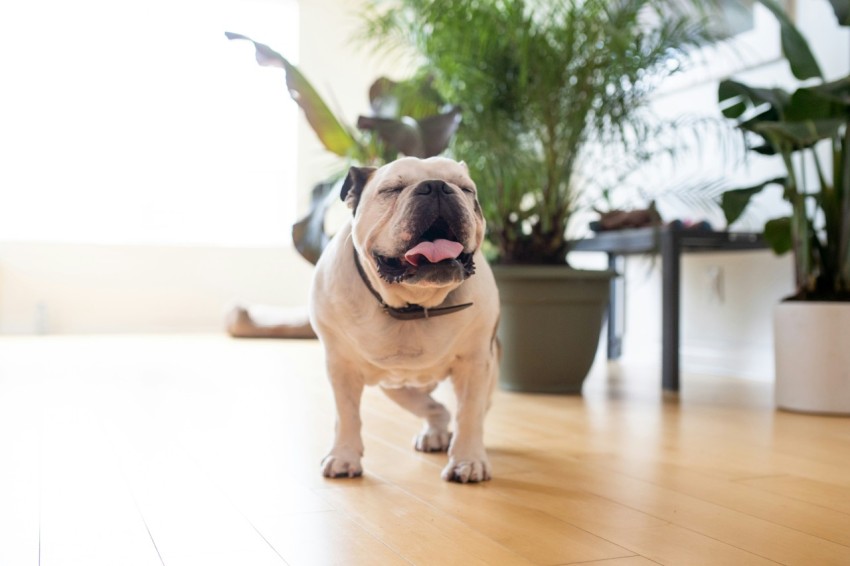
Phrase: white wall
[70,288]
[725,322]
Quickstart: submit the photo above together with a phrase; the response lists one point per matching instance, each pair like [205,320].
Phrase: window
[139,122]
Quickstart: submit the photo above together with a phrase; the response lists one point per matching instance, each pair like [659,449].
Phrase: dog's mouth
[436,255]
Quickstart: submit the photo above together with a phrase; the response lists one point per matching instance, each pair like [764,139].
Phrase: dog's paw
[337,465]
[467,471]
[432,439]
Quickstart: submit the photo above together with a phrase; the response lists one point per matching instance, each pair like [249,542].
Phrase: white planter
[812,352]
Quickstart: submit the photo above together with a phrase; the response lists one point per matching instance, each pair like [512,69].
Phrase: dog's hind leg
[435,435]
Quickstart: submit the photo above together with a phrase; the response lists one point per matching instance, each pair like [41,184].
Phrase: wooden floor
[204,450]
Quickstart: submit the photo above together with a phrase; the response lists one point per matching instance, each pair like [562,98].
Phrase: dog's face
[416,222]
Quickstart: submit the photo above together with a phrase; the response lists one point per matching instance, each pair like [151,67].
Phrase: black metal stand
[671,242]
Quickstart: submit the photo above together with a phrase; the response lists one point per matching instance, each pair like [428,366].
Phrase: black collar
[410,312]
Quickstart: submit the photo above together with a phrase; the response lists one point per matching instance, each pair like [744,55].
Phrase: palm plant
[801,127]
[540,82]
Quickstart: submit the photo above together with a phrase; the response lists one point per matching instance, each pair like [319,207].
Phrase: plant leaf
[751,106]
[437,130]
[333,136]
[837,91]
[763,149]
[734,202]
[794,45]
[402,135]
[800,134]
[814,104]
[424,138]
[737,99]
[308,234]
[842,11]
[777,233]
[415,97]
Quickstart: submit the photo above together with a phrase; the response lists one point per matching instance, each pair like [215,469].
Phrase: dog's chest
[410,353]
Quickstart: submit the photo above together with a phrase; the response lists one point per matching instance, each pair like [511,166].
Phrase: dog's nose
[432,187]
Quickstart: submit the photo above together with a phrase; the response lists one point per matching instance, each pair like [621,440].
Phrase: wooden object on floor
[185,450]
[262,321]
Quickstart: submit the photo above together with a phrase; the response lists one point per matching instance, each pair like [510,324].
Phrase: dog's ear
[353,185]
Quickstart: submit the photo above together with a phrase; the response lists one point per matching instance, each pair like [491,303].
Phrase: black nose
[432,187]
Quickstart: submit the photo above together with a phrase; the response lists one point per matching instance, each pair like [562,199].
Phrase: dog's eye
[467,190]
[391,190]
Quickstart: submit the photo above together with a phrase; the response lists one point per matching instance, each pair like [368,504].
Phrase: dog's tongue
[434,252]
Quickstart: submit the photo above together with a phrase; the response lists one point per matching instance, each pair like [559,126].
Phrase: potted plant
[809,129]
[408,118]
[541,83]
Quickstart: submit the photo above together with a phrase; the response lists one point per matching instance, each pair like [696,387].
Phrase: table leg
[670,282]
[616,308]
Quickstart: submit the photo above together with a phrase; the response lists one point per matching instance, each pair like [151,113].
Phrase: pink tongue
[435,251]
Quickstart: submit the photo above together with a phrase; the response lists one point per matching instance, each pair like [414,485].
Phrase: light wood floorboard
[200,449]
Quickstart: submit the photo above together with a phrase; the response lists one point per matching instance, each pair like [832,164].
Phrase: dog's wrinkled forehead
[402,173]
[406,172]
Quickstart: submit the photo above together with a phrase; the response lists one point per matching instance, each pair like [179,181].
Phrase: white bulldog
[402,298]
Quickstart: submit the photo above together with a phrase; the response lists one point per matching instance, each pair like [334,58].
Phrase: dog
[403,298]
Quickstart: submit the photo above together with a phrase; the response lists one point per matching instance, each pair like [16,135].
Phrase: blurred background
[150,172]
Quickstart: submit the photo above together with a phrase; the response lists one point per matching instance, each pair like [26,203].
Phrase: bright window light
[140,123]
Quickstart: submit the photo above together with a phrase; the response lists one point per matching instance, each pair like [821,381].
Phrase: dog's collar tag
[410,312]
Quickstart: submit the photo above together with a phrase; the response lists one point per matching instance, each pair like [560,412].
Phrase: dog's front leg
[473,384]
[343,461]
